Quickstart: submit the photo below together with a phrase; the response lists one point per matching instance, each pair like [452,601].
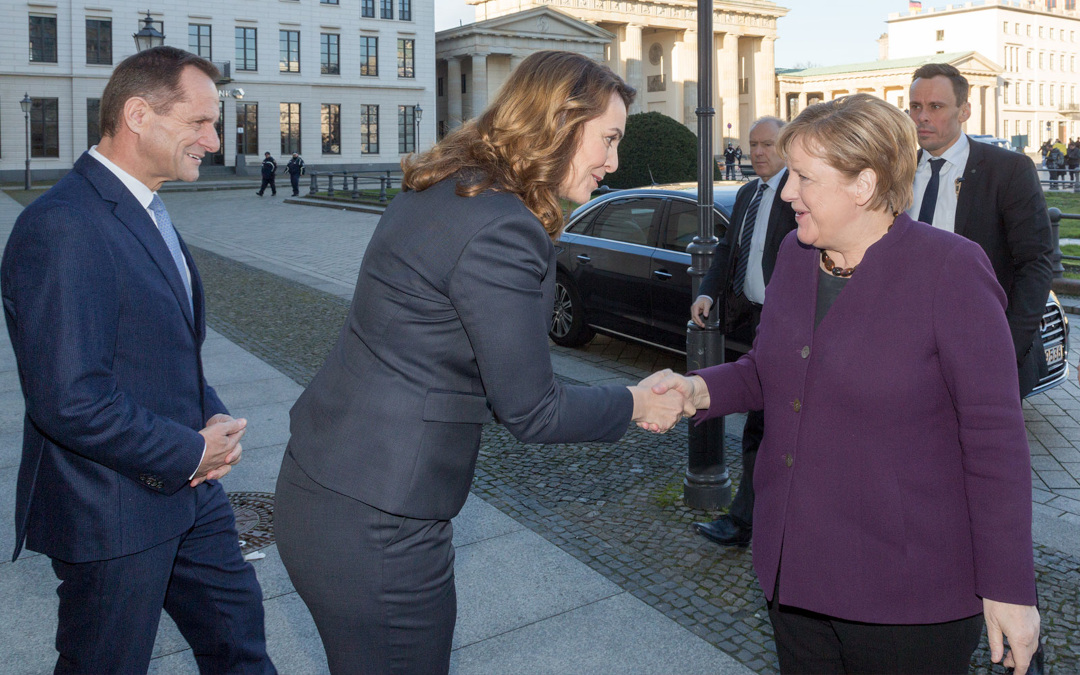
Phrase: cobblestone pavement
[617,507]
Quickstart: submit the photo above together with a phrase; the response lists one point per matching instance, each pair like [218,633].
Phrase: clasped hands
[222,435]
[665,397]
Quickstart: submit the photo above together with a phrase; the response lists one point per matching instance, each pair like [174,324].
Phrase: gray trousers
[380,587]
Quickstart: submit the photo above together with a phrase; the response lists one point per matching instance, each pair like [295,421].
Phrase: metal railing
[1064,183]
[361,180]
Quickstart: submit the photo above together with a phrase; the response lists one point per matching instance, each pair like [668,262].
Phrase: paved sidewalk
[524,606]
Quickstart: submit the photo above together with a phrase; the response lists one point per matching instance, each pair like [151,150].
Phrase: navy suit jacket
[893,482]
[717,281]
[109,361]
[448,324]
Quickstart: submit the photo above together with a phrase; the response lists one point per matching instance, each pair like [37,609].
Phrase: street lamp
[149,37]
[419,114]
[25,104]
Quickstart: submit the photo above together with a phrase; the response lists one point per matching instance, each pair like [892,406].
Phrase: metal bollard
[1055,235]
[382,188]
[330,188]
[355,189]
[314,184]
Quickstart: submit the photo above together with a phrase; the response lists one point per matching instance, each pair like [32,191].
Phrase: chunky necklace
[830,266]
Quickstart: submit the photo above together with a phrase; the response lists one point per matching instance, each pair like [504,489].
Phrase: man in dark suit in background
[740,270]
[123,439]
[269,169]
[989,195]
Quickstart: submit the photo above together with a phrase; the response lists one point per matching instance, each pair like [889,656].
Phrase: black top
[828,287]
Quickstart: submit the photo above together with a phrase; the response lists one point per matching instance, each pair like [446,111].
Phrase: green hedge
[658,144]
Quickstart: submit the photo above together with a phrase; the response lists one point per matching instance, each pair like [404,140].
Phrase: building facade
[654,47]
[1036,44]
[890,79]
[343,82]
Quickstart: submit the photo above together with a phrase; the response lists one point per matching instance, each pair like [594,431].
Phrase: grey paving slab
[239,395]
[1056,480]
[239,368]
[257,470]
[1066,455]
[267,424]
[8,476]
[1045,462]
[28,622]
[519,578]
[619,635]
[479,520]
[1050,527]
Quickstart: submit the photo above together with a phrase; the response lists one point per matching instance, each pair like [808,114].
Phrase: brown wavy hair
[525,141]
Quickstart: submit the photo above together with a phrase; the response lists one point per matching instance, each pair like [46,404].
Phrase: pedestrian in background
[893,485]
[295,167]
[729,162]
[448,326]
[269,168]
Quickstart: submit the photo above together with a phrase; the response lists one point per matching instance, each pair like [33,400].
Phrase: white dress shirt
[956,158]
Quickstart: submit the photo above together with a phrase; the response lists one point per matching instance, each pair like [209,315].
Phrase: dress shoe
[724,531]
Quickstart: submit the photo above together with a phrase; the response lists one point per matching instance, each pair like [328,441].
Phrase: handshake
[665,397]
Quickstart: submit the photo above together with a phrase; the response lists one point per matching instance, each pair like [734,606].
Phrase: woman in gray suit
[447,326]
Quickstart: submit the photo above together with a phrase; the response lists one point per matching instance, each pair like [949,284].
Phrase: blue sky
[813,32]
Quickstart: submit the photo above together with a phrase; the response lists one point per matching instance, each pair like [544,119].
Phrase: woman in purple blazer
[893,483]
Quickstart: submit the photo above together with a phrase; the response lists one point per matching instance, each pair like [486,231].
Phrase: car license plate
[1055,354]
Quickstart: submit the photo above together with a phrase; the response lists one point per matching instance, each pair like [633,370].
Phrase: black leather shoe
[724,531]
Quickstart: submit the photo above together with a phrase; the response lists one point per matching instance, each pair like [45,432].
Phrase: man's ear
[136,115]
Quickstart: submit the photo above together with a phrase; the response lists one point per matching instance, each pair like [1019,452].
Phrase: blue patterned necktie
[168,233]
[739,280]
[929,200]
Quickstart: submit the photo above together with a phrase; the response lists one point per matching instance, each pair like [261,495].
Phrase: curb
[342,206]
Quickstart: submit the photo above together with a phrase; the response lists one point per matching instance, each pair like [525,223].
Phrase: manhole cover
[254,519]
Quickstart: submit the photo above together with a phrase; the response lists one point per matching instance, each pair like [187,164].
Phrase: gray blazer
[448,323]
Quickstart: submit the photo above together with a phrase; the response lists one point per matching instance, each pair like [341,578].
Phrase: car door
[670,280]
[613,264]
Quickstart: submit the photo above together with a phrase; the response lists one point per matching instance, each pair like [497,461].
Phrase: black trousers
[380,587]
[268,180]
[294,178]
[109,609]
[810,643]
[742,506]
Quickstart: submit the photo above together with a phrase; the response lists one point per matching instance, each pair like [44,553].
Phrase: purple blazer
[894,477]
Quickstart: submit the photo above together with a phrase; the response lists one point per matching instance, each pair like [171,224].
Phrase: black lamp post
[706,484]
[419,114]
[25,104]
[149,37]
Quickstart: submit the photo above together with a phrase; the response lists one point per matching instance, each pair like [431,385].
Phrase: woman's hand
[658,411]
[1019,623]
[693,388]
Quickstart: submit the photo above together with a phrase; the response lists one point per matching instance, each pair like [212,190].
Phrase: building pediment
[542,22]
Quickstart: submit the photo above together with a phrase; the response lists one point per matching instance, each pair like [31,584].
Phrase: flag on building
[914,5]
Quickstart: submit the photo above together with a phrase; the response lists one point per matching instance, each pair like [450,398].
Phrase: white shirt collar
[143,194]
[956,155]
[774,182]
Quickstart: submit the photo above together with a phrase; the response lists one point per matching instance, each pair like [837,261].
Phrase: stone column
[763,81]
[630,50]
[514,61]
[992,111]
[479,83]
[728,88]
[802,102]
[453,92]
[685,72]
[974,123]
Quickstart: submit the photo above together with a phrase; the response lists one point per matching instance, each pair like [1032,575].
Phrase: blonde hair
[860,132]
[526,139]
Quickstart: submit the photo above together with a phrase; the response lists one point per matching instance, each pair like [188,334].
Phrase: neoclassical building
[651,43]
[890,79]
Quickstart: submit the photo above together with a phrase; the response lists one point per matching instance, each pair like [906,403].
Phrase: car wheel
[568,327]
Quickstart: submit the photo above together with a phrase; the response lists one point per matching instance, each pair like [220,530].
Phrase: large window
[386,9]
[247,57]
[99,41]
[93,121]
[289,48]
[405,10]
[247,128]
[406,58]
[199,40]
[367,9]
[290,128]
[369,129]
[330,53]
[45,127]
[406,128]
[43,39]
[369,55]
[331,128]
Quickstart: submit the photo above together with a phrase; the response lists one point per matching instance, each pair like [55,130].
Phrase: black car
[623,271]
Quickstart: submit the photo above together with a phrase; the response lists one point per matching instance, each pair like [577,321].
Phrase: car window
[682,225]
[630,221]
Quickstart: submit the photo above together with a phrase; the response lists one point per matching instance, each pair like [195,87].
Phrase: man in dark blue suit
[123,438]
